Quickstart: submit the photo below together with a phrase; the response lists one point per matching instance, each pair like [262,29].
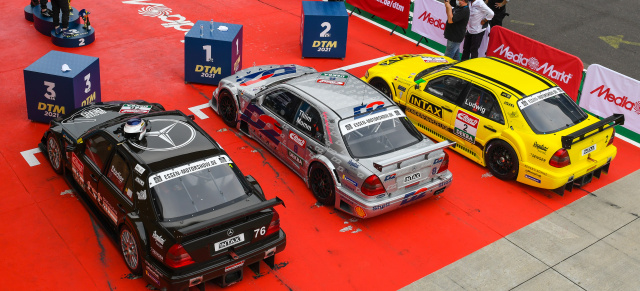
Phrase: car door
[279,107]
[116,188]
[306,134]
[432,105]
[91,165]
[478,119]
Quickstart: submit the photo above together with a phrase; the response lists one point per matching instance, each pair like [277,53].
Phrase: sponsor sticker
[139,169]
[345,178]
[434,59]
[187,169]
[330,82]
[297,159]
[349,126]
[77,168]
[589,149]
[223,244]
[359,111]
[532,178]
[537,97]
[139,181]
[426,106]
[390,177]
[135,108]
[156,254]
[381,206]
[152,274]
[438,160]
[466,126]
[159,239]
[234,266]
[413,196]
[297,139]
[92,113]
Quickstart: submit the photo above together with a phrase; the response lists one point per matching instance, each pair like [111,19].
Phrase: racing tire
[227,109]
[502,160]
[322,185]
[130,249]
[54,151]
[382,86]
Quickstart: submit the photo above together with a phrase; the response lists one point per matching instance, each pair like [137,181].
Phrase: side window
[482,102]
[282,103]
[118,172]
[308,121]
[448,88]
[98,149]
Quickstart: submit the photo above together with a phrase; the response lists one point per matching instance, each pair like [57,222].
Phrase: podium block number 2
[50,94]
[325,32]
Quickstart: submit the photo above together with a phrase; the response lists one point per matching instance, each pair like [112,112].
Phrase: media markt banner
[606,92]
[429,20]
[394,11]
[562,68]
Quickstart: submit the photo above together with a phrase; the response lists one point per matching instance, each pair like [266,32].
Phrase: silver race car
[351,144]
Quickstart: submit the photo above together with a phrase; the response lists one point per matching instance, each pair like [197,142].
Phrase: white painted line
[360,64]
[30,157]
[396,33]
[197,112]
[627,140]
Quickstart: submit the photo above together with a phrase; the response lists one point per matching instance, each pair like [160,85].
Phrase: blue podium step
[44,24]
[75,36]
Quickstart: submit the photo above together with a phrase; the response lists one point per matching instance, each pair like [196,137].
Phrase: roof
[508,75]
[171,139]
[339,91]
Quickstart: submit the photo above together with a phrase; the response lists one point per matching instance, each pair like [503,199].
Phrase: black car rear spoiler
[423,151]
[230,216]
[601,125]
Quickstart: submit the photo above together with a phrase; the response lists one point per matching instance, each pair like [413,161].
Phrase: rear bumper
[565,179]
[165,279]
[359,207]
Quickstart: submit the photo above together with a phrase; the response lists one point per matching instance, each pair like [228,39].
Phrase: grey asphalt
[589,29]
[590,244]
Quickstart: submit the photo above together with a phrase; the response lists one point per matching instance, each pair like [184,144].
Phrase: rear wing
[601,125]
[230,216]
[418,152]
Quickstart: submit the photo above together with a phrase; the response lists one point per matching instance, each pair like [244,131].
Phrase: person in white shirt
[481,14]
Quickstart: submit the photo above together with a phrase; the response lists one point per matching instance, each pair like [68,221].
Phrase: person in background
[58,5]
[454,30]
[499,8]
[46,12]
[479,18]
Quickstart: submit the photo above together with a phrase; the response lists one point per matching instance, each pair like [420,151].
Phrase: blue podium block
[44,24]
[28,12]
[76,36]
[212,54]
[323,31]
[52,93]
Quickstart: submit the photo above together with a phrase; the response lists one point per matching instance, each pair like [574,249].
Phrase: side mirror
[417,86]
[191,116]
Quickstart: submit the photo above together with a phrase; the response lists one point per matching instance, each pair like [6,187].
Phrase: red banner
[394,11]
[564,69]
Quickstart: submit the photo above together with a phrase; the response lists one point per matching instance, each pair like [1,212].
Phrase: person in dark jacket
[499,8]
[454,30]
[57,6]
[46,12]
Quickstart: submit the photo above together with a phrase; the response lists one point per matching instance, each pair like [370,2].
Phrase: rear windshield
[202,188]
[378,133]
[550,111]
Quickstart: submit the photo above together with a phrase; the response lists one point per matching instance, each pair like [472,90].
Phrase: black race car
[183,211]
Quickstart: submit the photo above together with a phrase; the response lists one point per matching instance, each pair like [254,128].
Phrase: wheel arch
[136,226]
[322,160]
[516,146]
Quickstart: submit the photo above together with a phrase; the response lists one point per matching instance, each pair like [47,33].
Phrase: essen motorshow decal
[606,92]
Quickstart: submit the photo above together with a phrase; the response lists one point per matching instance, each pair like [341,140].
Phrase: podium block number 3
[50,94]
[86,78]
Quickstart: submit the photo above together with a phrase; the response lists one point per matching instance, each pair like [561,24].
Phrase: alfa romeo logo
[166,135]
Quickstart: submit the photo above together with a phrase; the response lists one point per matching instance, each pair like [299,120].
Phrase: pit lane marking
[30,156]
[197,110]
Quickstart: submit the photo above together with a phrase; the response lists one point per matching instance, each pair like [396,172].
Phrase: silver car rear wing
[418,152]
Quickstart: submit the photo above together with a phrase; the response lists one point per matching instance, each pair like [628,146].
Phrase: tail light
[274,226]
[372,186]
[613,134]
[177,257]
[560,159]
[445,163]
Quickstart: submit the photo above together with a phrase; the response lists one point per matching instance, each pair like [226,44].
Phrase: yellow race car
[517,123]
